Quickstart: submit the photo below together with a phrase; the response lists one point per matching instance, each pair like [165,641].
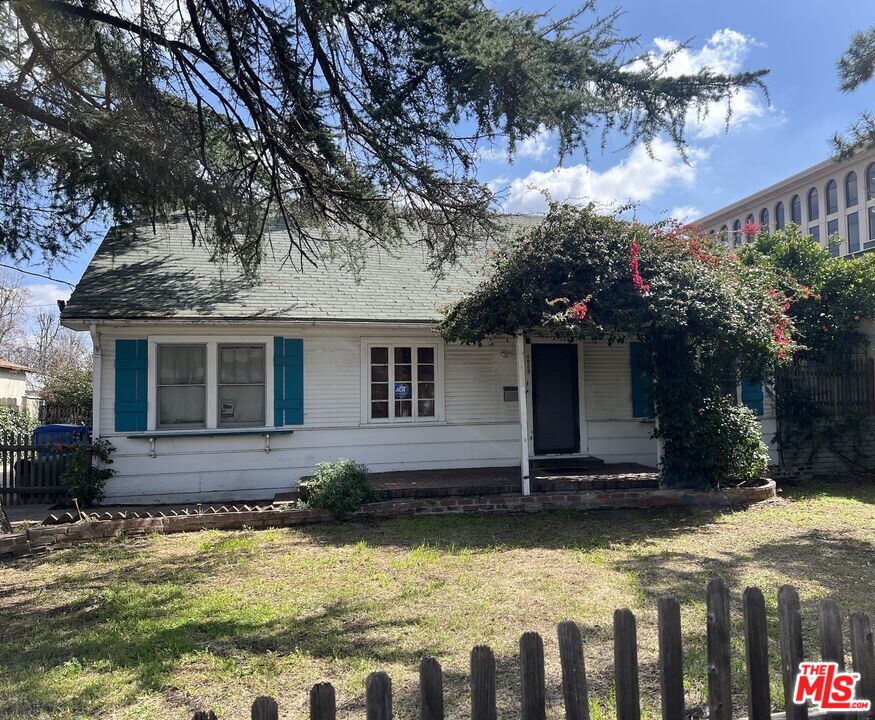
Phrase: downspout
[523,399]
[96,373]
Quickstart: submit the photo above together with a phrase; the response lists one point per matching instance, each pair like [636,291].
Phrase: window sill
[210,432]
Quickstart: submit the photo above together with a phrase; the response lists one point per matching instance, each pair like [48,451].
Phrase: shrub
[724,446]
[87,471]
[341,486]
[13,420]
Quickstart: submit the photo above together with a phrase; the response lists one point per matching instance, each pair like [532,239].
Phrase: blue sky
[798,41]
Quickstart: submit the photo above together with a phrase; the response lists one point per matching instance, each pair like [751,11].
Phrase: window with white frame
[241,385]
[402,382]
[182,386]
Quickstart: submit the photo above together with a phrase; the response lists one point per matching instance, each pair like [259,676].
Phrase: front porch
[581,477]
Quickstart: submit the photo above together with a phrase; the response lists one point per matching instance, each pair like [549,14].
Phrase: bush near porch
[708,323]
[159,626]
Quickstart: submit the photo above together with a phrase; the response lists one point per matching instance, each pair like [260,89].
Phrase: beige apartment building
[832,201]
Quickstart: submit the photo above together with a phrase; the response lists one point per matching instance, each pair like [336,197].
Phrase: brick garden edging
[55,537]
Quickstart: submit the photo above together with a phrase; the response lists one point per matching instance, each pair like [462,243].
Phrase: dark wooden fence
[378,686]
[833,392]
[30,474]
[49,414]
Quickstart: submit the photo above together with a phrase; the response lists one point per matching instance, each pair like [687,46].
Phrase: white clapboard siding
[480,429]
[614,435]
[202,468]
[475,378]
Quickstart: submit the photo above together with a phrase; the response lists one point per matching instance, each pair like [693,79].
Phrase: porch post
[523,397]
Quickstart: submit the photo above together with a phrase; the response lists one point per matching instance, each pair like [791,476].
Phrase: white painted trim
[366,343]
[96,381]
[523,389]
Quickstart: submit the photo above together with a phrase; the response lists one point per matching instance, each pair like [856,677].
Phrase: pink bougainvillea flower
[638,281]
[750,229]
[578,311]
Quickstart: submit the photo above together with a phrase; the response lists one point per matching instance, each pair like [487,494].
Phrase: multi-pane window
[181,386]
[736,233]
[832,230]
[832,197]
[870,243]
[870,182]
[764,219]
[813,205]
[814,231]
[402,381]
[241,385]
[796,210]
[779,216]
[853,232]
[851,189]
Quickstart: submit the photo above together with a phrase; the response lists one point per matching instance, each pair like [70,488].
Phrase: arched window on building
[779,216]
[736,233]
[796,210]
[832,197]
[851,189]
[870,182]
[813,205]
[724,235]
[764,219]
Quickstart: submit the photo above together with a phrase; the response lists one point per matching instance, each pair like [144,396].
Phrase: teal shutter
[752,396]
[642,405]
[131,385]
[288,381]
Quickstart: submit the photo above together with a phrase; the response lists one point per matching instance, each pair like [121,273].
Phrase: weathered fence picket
[719,651]
[431,688]
[574,690]
[378,685]
[671,659]
[756,651]
[483,699]
[790,619]
[30,473]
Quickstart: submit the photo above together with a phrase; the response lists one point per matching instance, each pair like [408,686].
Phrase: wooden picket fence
[30,473]
[378,686]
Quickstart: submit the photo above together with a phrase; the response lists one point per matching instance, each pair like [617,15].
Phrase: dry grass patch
[157,627]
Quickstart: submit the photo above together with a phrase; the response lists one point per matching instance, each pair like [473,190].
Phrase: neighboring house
[830,199]
[214,385]
[13,387]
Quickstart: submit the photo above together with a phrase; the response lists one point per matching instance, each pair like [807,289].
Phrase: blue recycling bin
[60,435]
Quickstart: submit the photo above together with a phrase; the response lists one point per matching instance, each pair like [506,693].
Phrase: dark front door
[556,420]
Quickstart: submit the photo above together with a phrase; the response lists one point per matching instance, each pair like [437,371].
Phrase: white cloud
[45,296]
[637,178]
[534,147]
[724,52]
[684,213]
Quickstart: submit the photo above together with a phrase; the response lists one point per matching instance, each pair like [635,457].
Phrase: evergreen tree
[342,120]
[856,68]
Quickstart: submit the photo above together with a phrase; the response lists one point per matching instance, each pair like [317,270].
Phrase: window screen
[241,385]
[181,386]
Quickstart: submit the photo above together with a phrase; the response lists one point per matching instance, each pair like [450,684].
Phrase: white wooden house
[214,385]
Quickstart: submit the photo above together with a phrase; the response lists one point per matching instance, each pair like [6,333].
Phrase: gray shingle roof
[138,273]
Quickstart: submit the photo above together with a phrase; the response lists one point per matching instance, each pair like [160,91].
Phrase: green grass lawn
[158,627]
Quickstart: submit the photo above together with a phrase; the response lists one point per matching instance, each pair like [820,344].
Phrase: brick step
[565,466]
[584,483]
